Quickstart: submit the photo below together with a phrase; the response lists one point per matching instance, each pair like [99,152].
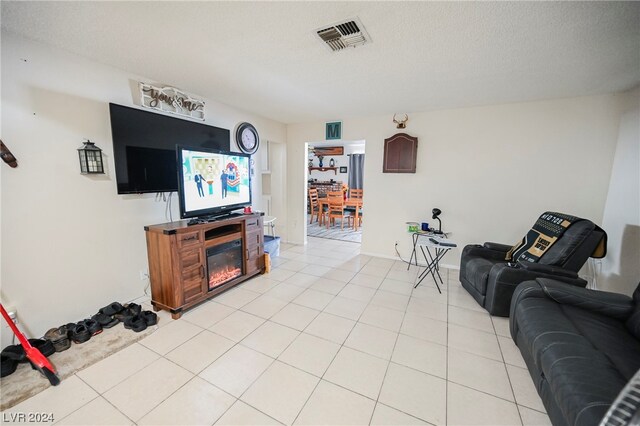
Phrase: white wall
[621,266]
[492,170]
[70,244]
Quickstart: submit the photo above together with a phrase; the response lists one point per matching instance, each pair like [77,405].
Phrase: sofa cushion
[477,272]
[583,382]
[543,324]
[609,337]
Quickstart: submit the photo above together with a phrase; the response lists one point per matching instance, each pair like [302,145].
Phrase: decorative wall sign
[333,130]
[343,169]
[328,150]
[170,99]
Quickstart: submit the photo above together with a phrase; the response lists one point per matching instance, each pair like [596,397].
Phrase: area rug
[334,232]
[26,382]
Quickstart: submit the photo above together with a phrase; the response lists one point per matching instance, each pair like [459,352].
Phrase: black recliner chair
[491,279]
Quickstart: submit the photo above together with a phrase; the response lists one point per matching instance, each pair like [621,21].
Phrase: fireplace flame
[223,275]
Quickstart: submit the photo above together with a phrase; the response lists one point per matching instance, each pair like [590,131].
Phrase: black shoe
[17,353]
[80,333]
[45,346]
[136,323]
[70,326]
[93,326]
[59,337]
[151,318]
[8,365]
[130,310]
[14,352]
[112,309]
[105,320]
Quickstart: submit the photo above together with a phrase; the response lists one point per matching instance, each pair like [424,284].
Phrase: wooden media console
[189,264]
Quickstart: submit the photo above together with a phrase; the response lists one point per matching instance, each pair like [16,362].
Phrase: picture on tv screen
[213,182]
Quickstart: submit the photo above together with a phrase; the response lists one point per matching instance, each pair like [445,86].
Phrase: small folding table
[436,247]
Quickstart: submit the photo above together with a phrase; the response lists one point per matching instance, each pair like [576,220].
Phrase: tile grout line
[276,359]
[386,371]
[321,378]
[446,385]
[506,370]
[101,395]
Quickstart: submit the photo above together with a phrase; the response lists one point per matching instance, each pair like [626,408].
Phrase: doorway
[272,180]
[335,168]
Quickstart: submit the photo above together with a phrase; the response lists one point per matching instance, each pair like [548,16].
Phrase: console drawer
[192,289]
[187,239]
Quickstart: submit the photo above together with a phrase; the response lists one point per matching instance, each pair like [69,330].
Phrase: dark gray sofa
[581,346]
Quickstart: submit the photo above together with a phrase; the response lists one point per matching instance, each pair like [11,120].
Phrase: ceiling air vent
[344,34]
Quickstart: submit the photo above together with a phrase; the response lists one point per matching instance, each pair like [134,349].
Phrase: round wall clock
[247,138]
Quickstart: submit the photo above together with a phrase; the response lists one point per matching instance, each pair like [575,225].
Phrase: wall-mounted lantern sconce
[90,159]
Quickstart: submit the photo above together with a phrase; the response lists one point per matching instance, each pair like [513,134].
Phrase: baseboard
[386,256]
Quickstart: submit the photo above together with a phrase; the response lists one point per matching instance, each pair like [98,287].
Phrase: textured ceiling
[264,56]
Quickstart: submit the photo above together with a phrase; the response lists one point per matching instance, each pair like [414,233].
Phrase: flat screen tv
[212,182]
[144,147]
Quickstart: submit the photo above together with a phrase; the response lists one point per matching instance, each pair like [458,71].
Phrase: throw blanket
[545,232]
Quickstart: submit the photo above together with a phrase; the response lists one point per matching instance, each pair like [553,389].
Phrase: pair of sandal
[82,331]
[141,321]
[59,337]
[131,315]
[13,355]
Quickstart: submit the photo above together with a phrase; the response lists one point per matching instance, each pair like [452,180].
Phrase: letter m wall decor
[400,153]
[333,130]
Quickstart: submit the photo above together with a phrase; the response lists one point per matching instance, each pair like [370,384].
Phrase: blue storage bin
[272,245]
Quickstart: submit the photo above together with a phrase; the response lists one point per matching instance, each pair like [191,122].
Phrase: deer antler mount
[401,124]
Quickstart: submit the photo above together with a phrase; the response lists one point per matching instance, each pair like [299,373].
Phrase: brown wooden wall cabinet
[400,153]
[177,253]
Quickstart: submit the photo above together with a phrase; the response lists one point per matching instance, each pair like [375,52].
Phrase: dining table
[356,203]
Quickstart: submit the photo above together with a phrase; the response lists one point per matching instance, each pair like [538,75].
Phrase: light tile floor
[328,337]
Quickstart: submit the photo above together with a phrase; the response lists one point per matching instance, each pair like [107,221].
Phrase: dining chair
[356,194]
[314,205]
[336,210]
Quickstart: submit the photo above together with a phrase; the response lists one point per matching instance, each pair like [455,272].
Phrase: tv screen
[212,182]
[144,147]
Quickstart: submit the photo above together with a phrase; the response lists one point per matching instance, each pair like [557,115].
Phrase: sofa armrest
[615,305]
[525,290]
[497,247]
[547,269]
[476,250]
[504,278]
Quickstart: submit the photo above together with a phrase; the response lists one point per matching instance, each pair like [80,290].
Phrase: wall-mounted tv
[144,147]
[212,182]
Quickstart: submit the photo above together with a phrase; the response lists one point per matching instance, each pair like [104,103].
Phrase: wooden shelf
[324,169]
